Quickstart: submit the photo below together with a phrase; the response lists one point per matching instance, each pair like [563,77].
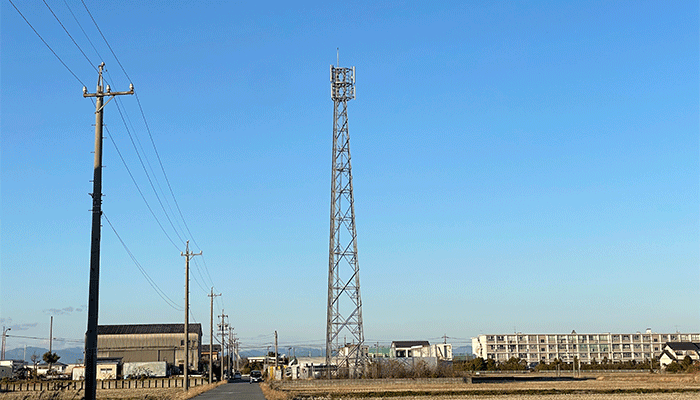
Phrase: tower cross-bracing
[344,314]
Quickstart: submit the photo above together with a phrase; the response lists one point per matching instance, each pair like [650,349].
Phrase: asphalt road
[238,390]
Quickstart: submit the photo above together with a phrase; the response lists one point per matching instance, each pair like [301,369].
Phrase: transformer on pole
[343,266]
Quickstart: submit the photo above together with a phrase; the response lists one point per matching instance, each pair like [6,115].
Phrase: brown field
[113,394]
[627,387]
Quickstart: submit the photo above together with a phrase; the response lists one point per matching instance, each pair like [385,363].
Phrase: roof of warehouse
[410,343]
[147,329]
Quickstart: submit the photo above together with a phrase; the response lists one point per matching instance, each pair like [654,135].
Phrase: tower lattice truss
[344,333]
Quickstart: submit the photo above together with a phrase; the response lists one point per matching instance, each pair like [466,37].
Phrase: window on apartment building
[489,338]
[635,338]
[499,338]
[592,337]
[626,337]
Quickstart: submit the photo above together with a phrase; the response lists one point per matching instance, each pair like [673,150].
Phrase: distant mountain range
[74,354]
[68,356]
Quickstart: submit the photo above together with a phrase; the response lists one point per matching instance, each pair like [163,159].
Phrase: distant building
[677,351]
[151,342]
[421,348]
[614,347]
[215,353]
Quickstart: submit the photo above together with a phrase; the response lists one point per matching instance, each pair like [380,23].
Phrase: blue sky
[528,166]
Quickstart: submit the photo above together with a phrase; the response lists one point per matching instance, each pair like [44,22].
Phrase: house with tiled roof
[677,351]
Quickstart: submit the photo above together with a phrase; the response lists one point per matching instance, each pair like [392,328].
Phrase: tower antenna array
[343,266]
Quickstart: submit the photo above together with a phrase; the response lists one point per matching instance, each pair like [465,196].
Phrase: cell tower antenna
[343,266]
[337,56]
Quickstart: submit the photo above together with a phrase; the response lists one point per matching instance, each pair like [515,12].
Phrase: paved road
[238,390]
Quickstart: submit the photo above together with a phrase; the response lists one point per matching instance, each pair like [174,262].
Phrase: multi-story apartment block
[615,347]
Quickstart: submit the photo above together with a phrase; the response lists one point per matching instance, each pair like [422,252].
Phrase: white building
[615,347]
[677,351]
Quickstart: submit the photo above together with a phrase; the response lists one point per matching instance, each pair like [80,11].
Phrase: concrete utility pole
[211,332]
[94,290]
[4,338]
[276,356]
[188,255]
[223,338]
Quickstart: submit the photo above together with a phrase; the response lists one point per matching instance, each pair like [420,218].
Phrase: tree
[50,358]
[687,362]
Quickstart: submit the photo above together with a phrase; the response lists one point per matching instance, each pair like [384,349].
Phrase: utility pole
[188,255]
[276,357]
[342,246]
[211,332]
[4,338]
[94,290]
[223,338]
[230,351]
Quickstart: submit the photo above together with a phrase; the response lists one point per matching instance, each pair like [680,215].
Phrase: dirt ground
[603,387]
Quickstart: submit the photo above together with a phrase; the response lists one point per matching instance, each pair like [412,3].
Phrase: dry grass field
[113,394]
[628,387]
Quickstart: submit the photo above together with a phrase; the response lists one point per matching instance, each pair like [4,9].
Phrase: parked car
[237,375]
[255,376]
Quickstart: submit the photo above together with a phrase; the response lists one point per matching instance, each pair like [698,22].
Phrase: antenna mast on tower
[343,267]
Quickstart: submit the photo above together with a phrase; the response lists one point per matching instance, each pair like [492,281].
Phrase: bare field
[113,394]
[628,387]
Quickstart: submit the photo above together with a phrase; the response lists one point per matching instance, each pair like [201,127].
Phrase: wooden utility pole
[188,255]
[94,290]
[211,332]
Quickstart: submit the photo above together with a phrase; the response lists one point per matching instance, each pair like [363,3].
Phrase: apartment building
[615,347]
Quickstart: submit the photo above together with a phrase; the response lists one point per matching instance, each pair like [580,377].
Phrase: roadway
[240,390]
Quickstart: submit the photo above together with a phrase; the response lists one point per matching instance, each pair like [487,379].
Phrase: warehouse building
[614,347]
[151,342]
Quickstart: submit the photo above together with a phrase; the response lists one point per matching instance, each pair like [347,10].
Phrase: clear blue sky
[529,166]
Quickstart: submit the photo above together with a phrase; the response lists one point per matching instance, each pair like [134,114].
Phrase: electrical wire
[206,269]
[83,30]
[150,281]
[105,39]
[138,188]
[69,35]
[47,45]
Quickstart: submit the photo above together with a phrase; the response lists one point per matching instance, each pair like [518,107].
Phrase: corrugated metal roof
[410,343]
[144,329]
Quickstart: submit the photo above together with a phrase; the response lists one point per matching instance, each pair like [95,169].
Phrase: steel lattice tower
[343,267]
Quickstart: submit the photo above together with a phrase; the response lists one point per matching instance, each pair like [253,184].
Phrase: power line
[69,35]
[47,45]
[138,188]
[150,281]
[206,269]
[83,30]
[150,181]
[105,39]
